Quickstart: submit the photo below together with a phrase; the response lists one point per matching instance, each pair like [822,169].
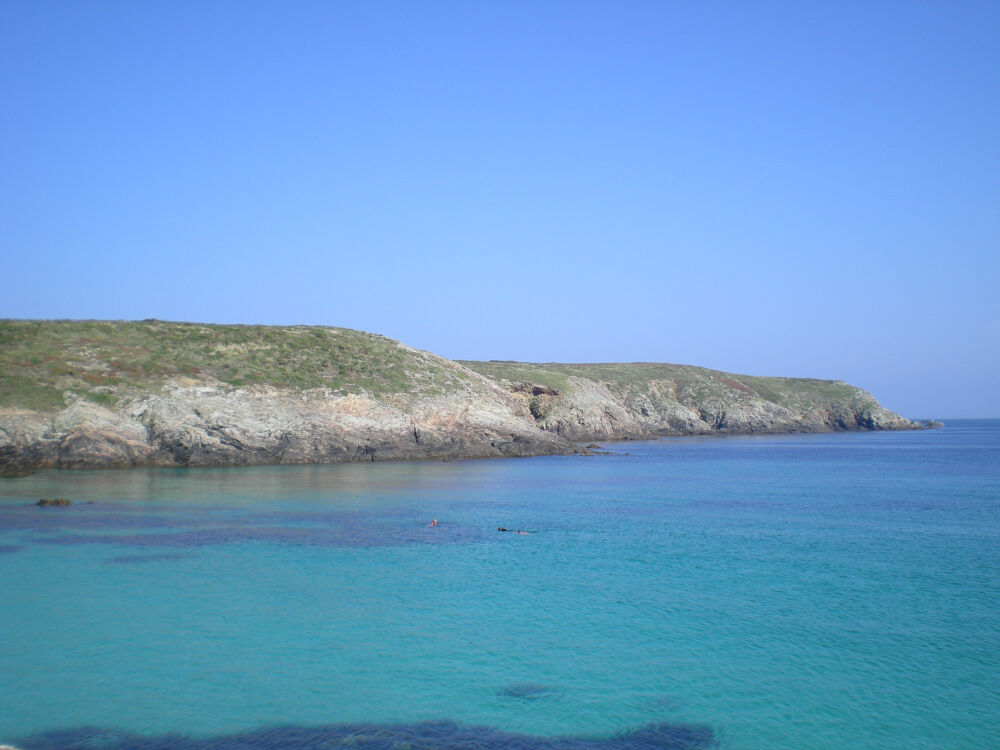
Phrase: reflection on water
[341,484]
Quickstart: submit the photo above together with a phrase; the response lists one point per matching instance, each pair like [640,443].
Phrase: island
[103,394]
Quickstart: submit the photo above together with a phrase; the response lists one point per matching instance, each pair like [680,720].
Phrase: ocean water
[805,591]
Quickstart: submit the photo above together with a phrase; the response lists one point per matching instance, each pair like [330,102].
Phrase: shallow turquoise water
[831,591]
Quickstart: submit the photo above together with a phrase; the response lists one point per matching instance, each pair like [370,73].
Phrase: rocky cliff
[643,400]
[84,394]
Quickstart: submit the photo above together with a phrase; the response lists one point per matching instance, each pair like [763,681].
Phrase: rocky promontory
[90,394]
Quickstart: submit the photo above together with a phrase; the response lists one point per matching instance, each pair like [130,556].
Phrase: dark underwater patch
[94,516]
[151,557]
[444,735]
[353,534]
[7,549]
[526,691]
[186,528]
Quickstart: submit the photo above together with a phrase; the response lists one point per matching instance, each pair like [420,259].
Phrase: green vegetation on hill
[105,361]
[694,383]
[39,360]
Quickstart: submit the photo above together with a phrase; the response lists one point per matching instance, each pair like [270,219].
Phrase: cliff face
[210,425]
[110,394]
[642,400]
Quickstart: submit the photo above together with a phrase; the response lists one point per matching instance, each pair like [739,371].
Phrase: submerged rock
[57,501]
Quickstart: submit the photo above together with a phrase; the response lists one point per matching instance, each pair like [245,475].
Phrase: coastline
[93,394]
[90,451]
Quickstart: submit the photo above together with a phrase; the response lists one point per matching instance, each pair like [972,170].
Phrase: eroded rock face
[590,409]
[189,422]
[212,425]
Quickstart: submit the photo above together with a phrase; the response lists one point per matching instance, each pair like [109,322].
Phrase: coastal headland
[102,394]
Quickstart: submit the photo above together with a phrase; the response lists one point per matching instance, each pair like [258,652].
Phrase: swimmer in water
[501,528]
[433,523]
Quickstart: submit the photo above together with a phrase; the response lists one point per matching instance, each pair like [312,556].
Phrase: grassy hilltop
[114,393]
[41,360]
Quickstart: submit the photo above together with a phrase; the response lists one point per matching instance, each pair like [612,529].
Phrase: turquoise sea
[803,591]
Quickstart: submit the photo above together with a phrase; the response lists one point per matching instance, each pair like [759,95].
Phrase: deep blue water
[805,591]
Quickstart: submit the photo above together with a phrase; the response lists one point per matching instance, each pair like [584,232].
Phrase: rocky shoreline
[212,425]
[443,410]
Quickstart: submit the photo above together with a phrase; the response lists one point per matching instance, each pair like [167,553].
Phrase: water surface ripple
[810,591]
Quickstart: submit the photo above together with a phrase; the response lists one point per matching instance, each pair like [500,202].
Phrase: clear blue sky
[798,188]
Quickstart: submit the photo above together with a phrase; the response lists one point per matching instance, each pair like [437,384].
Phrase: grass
[41,359]
[106,360]
[26,392]
[521,372]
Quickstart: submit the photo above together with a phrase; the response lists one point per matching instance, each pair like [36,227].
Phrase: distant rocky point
[98,394]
